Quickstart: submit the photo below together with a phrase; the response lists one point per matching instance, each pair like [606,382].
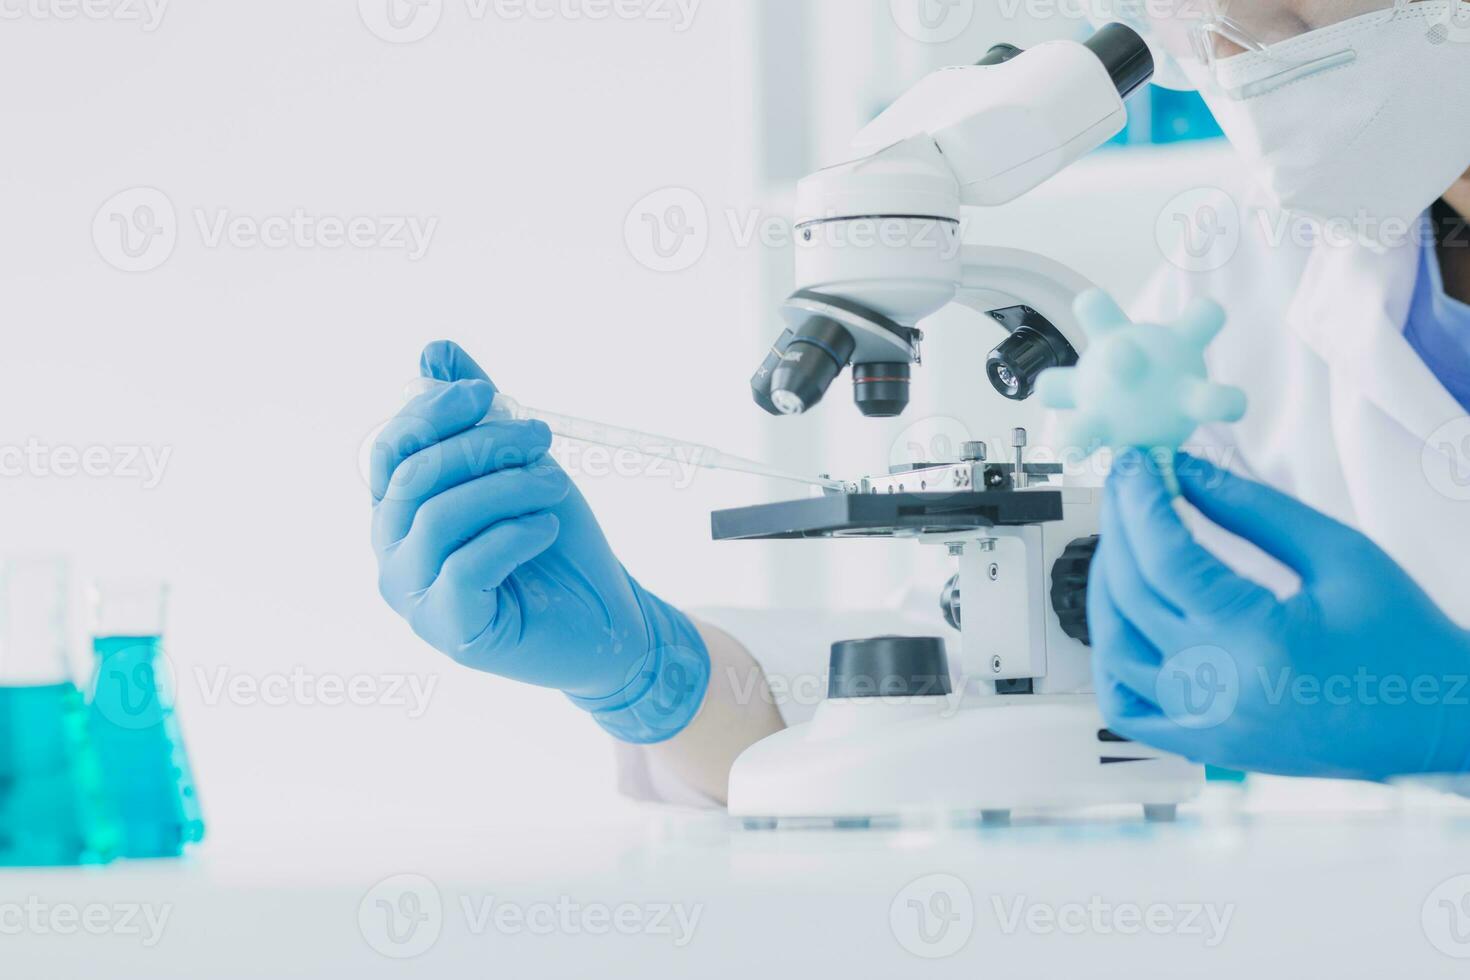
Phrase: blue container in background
[1162,116]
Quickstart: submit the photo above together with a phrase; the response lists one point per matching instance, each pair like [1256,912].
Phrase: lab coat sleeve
[791,649]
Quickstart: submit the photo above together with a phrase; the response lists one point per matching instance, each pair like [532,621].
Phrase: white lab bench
[1279,883]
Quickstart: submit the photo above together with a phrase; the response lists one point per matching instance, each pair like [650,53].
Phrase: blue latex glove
[1358,675]
[493,557]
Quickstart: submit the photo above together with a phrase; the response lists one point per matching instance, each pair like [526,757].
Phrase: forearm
[737,712]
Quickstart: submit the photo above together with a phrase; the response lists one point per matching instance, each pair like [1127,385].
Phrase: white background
[263,370]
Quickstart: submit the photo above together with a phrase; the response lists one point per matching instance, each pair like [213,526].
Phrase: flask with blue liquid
[145,766]
[53,804]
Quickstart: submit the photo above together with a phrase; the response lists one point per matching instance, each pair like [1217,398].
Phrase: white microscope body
[880,251]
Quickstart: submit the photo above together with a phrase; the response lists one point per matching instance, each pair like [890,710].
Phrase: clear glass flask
[53,805]
[145,766]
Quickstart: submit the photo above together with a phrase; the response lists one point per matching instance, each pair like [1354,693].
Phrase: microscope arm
[1031,297]
[1001,278]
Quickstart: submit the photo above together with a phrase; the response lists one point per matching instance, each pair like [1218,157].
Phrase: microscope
[880,250]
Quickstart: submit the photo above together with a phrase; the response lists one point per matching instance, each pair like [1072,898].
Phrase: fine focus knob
[949,601]
[889,666]
[1069,588]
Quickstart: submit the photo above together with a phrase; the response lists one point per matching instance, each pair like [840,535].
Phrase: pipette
[505,408]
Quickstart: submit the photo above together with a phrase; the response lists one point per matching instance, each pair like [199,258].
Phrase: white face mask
[1369,124]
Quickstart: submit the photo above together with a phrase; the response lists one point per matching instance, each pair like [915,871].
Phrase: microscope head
[879,243]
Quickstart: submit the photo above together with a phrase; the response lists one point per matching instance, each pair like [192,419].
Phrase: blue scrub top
[1439,328]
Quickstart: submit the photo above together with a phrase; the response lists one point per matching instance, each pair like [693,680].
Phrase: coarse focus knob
[1069,588]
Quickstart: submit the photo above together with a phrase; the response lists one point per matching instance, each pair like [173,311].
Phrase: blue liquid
[1164,116]
[1215,774]
[145,767]
[53,810]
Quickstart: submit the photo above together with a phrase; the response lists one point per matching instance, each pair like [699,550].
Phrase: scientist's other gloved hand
[493,557]
[1358,675]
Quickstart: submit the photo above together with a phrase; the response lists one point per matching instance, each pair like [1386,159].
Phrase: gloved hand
[1358,675]
[493,557]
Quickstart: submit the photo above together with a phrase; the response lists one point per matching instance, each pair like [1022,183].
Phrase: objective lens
[786,403]
[817,353]
[881,390]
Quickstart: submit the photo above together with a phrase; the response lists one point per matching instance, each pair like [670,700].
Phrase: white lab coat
[1344,415]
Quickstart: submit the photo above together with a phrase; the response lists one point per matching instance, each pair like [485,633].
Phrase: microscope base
[883,759]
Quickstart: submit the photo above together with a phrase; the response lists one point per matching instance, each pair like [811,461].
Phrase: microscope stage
[887,515]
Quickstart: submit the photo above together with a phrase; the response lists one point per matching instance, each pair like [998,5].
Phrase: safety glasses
[1284,39]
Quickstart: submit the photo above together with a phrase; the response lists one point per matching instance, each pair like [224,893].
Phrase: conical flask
[145,766]
[53,807]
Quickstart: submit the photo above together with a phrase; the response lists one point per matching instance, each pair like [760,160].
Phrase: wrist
[666,689]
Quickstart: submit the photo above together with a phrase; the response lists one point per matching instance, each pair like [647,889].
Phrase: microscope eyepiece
[1015,365]
[816,354]
[1125,55]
